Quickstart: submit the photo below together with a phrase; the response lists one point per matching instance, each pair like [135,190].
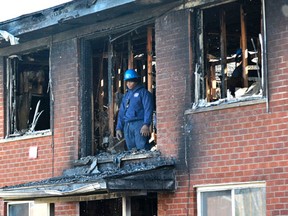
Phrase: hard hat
[130,74]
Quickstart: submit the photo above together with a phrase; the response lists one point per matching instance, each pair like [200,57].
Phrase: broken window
[228,51]
[28,98]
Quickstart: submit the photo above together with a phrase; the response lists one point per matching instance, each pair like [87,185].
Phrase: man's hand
[145,130]
[119,134]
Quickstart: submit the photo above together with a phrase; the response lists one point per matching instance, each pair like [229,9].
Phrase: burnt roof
[106,172]
[73,15]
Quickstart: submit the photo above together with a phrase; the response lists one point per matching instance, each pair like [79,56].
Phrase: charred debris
[106,172]
[228,54]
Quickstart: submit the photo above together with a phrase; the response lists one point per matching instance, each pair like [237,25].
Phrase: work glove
[145,130]
[119,134]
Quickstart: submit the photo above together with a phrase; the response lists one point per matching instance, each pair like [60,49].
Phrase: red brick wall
[67,209]
[239,144]
[172,47]
[15,166]
[66,105]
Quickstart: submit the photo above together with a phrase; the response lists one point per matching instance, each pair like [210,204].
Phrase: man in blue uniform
[135,114]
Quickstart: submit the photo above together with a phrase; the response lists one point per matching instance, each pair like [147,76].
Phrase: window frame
[10,97]
[224,187]
[30,205]
[200,63]
[34,208]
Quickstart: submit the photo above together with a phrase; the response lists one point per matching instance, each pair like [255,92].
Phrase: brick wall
[172,47]
[67,209]
[173,98]
[238,144]
[55,153]
[66,105]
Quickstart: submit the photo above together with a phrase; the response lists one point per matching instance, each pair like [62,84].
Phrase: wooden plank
[130,54]
[213,82]
[244,47]
[149,59]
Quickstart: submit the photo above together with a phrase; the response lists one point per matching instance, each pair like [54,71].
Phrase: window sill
[226,105]
[27,136]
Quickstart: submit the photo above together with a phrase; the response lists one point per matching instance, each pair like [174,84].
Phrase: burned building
[218,72]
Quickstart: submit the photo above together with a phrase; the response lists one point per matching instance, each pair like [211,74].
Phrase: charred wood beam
[110,89]
[223,54]
[86,99]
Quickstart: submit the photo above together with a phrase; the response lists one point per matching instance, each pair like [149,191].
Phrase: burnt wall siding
[64,68]
[172,51]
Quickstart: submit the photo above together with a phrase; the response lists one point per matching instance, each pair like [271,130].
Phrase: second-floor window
[228,57]
[28,98]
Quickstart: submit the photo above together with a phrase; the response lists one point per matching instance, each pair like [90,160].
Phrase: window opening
[139,205]
[28,98]
[132,50]
[228,52]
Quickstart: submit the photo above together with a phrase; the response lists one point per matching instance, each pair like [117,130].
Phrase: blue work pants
[133,137]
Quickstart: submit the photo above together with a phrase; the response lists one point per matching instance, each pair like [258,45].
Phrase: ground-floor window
[234,199]
[25,208]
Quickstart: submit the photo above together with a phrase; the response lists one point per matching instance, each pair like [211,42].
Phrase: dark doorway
[140,206]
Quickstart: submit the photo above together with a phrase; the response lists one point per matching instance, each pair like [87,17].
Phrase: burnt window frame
[200,65]
[110,49]
[12,102]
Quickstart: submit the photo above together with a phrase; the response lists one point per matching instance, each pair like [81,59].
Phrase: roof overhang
[75,14]
[146,174]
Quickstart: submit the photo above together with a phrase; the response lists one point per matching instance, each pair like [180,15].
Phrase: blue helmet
[130,74]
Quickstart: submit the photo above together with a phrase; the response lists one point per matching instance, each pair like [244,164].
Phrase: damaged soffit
[105,173]
[75,14]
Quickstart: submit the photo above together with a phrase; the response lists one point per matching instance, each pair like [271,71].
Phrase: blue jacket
[137,104]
